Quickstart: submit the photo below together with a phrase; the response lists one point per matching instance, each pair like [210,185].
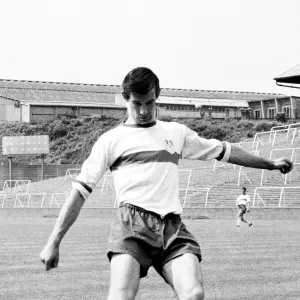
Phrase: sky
[226,45]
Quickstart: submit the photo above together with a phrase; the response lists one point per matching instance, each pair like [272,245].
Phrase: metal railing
[72,173]
[289,175]
[242,173]
[285,176]
[257,197]
[58,197]
[273,134]
[274,128]
[187,202]
[14,186]
[284,149]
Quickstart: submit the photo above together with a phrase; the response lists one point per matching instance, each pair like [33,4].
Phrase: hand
[248,210]
[284,165]
[50,256]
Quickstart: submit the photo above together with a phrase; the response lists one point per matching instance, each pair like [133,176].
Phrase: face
[141,108]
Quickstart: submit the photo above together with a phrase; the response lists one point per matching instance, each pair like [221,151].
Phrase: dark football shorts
[242,208]
[150,239]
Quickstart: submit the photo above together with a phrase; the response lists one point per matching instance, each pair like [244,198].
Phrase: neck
[130,121]
[135,124]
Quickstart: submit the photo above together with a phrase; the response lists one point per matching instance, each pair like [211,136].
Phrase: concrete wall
[256,105]
[203,113]
[33,172]
[162,112]
[49,113]
[9,110]
[296,105]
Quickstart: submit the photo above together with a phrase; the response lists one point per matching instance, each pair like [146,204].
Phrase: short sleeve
[93,167]
[195,147]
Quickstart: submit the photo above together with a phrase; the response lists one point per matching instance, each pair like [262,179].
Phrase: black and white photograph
[149,150]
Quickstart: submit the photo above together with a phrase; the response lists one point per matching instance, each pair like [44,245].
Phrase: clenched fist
[50,256]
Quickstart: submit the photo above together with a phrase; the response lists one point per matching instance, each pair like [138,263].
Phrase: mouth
[144,118]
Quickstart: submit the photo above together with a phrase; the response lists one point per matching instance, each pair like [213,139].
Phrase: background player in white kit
[243,203]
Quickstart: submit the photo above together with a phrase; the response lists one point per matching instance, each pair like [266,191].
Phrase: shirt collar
[151,124]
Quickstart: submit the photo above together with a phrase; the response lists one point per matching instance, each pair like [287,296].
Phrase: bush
[77,123]
[218,133]
[200,127]
[65,121]
[245,124]
[71,140]
[86,119]
[59,131]
[166,118]
[281,117]
[263,126]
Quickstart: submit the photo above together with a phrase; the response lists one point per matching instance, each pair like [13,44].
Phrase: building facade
[268,109]
[36,101]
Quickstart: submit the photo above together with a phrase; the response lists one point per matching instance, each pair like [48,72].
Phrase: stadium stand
[71,173]
[202,184]
[3,199]
[275,196]
[13,186]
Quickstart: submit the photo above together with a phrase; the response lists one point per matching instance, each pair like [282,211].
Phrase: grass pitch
[261,262]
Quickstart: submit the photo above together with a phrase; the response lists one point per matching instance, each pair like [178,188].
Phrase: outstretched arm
[67,216]
[241,157]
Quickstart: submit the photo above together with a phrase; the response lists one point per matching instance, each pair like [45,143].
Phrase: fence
[288,127]
[273,134]
[15,186]
[72,173]
[268,197]
[197,187]
[33,172]
[292,151]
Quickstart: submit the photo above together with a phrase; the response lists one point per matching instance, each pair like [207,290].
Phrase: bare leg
[239,217]
[124,277]
[184,275]
[245,221]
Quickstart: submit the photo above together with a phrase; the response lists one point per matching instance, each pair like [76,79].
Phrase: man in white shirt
[243,204]
[143,155]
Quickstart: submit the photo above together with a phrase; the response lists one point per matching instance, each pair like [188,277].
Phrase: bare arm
[67,216]
[241,157]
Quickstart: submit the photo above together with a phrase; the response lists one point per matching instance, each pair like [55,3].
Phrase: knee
[195,294]
[198,294]
[122,293]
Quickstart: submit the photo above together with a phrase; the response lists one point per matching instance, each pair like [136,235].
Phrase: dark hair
[140,81]
[244,188]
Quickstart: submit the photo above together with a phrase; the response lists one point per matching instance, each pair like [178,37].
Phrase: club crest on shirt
[169,146]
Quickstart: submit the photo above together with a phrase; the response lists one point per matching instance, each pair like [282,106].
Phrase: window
[271,112]
[287,111]
[257,114]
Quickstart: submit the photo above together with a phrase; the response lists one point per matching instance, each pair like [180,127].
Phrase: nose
[143,110]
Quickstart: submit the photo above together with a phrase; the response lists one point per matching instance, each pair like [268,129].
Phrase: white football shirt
[144,163]
[243,199]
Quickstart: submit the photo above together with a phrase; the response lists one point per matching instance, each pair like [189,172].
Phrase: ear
[125,96]
[158,93]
